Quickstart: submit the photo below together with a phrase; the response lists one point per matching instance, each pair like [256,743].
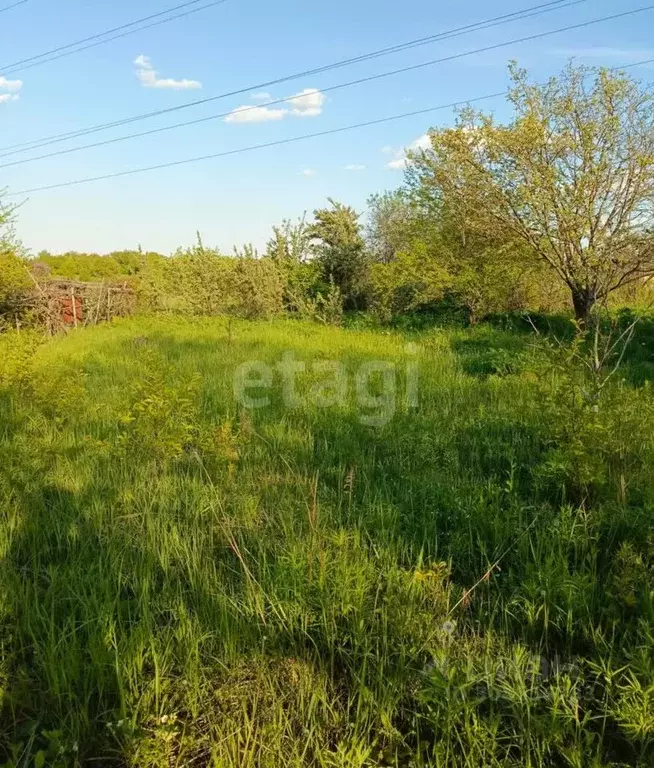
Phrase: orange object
[70,315]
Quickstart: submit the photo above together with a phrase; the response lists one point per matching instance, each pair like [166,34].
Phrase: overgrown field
[465,579]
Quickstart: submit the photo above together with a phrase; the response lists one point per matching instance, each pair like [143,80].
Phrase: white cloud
[13,86]
[147,76]
[355,167]
[386,150]
[400,159]
[307,103]
[398,164]
[263,96]
[422,142]
[308,172]
[255,115]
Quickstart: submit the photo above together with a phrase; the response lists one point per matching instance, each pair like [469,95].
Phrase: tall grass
[186,582]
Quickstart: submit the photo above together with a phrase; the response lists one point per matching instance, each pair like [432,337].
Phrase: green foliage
[408,282]
[600,441]
[92,267]
[303,283]
[290,250]
[17,351]
[160,423]
[391,225]
[15,282]
[632,577]
[325,307]
[423,256]
[199,281]
[290,243]
[187,582]
[259,288]
[15,285]
[568,182]
[339,248]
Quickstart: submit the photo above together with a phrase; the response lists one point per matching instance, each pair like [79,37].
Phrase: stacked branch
[61,304]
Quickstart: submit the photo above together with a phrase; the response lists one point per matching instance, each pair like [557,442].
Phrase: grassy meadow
[185,581]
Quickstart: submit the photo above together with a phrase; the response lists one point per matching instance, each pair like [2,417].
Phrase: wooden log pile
[62,304]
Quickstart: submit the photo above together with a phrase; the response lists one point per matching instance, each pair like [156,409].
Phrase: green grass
[186,582]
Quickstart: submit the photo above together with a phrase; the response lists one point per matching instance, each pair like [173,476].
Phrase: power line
[242,150]
[62,51]
[246,109]
[329,89]
[280,142]
[13,5]
[15,64]
[485,24]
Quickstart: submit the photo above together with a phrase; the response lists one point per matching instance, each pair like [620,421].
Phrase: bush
[407,283]
[15,287]
[200,281]
[89,267]
[600,445]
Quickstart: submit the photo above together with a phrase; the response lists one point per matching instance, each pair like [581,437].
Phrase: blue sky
[237,199]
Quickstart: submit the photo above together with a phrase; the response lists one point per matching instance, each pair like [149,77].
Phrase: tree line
[548,211]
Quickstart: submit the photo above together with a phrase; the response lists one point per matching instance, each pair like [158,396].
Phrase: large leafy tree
[569,180]
[339,248]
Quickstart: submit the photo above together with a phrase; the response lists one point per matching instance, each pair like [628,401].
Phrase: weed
[185,582]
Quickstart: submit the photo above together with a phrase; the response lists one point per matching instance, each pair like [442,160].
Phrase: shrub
[200,281]
[16,286]
[600,444]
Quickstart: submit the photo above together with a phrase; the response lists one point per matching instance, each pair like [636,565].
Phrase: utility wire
[62,51]
[13,5]
[242,150]
[284,100]
[280,142]
[516,15]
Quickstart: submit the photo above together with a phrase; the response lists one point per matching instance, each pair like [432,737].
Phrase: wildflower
[449,627]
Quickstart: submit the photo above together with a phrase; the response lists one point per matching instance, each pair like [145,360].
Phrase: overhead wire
[62,51]
[13,5]
[280,142]
[476,26]
[241,150]
[288,99]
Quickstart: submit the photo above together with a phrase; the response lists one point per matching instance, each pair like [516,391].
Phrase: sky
[236,199]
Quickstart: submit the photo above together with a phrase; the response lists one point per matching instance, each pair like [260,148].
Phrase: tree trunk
[583,300]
